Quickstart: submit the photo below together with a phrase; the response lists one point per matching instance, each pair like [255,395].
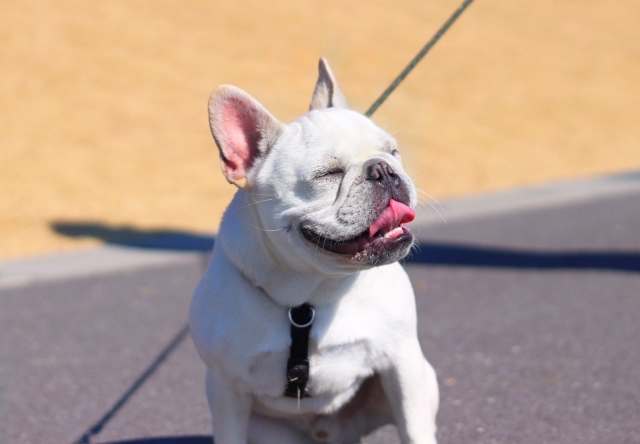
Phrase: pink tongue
[396,213]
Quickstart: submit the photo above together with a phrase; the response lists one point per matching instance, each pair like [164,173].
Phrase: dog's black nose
[380,171]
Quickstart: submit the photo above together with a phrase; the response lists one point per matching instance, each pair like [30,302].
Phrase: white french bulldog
[319,219]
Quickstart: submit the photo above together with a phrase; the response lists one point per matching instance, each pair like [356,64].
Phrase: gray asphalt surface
[528,354]
[530,319]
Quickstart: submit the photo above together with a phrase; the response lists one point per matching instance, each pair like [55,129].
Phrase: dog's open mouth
[386,231]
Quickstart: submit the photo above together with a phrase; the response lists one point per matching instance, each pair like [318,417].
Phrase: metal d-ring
[313,316]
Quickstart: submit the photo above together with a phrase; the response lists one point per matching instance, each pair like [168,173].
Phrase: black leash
[97,427]
[298,363]
[417,58]
[302,316]
[301,319]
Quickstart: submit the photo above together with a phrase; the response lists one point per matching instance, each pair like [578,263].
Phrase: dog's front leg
[412,389]
[230,410]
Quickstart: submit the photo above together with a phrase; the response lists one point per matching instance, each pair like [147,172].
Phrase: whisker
[315,257]
[254,203]
[429,196]
[426,207]
[264,229]
[259,201]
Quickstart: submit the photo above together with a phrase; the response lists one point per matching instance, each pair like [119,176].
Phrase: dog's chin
[365,249]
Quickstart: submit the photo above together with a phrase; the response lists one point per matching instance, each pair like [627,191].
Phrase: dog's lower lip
[359,243]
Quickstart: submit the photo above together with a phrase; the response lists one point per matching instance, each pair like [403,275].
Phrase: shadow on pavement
[428,253]
[459,255]
[134,237]
[168,440]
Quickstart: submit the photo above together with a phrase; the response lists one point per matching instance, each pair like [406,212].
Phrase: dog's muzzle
[386,232]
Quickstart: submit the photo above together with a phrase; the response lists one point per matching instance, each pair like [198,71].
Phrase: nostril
[374,172]
[390,171]
[380,171]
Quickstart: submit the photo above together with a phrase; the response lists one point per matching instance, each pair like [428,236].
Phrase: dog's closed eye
[329,173]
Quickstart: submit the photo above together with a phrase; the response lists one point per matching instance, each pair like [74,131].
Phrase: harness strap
[301,318]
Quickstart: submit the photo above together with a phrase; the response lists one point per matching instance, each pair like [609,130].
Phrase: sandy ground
[103,104]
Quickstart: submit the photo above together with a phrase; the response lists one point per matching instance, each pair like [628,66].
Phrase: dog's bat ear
[243,130]
[327,93]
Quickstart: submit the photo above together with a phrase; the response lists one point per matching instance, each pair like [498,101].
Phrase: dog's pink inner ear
[242,137]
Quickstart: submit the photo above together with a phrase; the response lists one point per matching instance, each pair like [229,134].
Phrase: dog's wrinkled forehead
[349,135]
[328,138]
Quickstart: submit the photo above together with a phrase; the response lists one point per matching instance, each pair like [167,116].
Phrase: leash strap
[301,318]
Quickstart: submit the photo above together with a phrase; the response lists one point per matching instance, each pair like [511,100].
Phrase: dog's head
[329,188]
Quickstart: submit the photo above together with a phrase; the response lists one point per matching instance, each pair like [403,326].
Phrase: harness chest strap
[301,318]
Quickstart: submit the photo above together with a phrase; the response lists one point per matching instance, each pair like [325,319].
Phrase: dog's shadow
[425,253]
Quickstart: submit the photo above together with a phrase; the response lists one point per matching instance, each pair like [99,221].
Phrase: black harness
[301,318]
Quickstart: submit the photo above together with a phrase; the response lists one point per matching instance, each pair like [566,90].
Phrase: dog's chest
[338,367]
[333,368]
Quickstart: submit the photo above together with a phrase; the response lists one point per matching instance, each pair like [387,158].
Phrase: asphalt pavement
[529,308]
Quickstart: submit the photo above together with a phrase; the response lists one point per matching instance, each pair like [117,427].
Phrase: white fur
[365,317]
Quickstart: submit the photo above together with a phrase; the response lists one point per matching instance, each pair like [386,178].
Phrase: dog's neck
[288,282]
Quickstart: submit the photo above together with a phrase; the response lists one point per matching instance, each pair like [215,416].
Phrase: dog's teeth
[393,233]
